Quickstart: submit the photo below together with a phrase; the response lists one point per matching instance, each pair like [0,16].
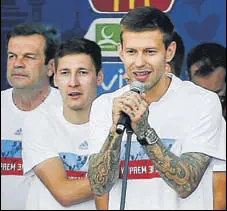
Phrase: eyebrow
[65,68]
[28,53]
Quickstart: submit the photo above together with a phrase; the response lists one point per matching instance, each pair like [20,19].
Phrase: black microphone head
[137,86]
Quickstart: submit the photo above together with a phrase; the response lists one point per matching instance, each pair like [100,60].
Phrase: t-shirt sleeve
[207,132]
[99,123]
[37,140]
[219,165]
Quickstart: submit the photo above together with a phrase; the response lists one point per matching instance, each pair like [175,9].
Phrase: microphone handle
[123,122]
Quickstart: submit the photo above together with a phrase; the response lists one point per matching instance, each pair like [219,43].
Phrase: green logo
[108,36]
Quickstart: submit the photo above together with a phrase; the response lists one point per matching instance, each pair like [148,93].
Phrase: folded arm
[67,192]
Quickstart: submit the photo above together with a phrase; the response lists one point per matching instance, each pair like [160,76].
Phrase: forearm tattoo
[142,125]
[103,168]
[182,173]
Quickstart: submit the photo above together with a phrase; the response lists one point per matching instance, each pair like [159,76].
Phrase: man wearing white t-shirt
[31,48]
[172,151]
[56,151]
[206,67]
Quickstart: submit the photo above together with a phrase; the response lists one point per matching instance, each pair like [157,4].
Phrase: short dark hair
[51,35]
[147,18]
[77,45]
[177,62]
[209,56]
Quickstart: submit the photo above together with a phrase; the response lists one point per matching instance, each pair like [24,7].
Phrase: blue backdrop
[195,20]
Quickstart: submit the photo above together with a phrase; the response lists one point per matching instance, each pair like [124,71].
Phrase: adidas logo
[83,145]
[18,132]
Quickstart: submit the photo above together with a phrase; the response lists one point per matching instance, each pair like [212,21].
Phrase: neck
[27,100]
[157,91]
[79,116]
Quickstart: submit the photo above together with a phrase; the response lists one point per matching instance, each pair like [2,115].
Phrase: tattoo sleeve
[103,168]
[182,173]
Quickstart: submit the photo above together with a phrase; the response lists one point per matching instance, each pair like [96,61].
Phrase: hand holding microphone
[132,106]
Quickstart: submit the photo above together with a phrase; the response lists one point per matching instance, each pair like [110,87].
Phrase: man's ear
[100,77]
[55,80]
[168,68]
[50,68]
[120,51]
[170,52]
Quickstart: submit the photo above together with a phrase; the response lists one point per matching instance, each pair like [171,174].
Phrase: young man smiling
[176,149]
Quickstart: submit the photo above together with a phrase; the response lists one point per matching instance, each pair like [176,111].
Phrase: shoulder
[107,98]
[54,91]
[37,116]
[52,102]
[102,106]
[55,94]
[6,98]
[7,92]
[195,95]
[202,97]
[40,118]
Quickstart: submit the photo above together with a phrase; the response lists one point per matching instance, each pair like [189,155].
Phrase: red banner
[139,169]
[126,5]
[76,174]
[11,166]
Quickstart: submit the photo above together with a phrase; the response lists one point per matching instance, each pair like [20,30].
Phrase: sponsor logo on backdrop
[123,6]
[113,77]
[106,33]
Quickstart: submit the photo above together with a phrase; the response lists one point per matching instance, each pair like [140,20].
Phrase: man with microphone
[172,152]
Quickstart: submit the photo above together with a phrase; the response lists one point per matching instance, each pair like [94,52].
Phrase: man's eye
[64,72]
[30,57]
[130,51]
[82,72]
[10,56]
[149,51]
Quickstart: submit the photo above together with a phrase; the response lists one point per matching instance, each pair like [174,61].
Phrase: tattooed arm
[103,168]
[182,173]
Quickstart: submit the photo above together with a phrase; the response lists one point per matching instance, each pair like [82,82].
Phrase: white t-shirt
[13,186]
[54,137]
[187,118]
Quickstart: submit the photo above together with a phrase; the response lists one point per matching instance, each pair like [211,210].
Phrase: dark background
[195,20]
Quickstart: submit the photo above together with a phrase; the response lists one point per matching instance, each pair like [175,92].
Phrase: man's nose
[139,60]
[19,62]
[74,80]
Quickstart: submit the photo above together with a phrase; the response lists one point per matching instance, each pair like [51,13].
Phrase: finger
[130,102]
[135,102]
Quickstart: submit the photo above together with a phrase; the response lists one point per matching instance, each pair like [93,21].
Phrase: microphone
[124,120]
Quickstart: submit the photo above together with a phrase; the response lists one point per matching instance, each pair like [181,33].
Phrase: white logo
[18,132]
[107,39]
[83,145]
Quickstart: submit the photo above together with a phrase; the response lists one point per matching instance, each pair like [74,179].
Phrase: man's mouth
[142,76]
[19,75]
[142,73]
[74,94]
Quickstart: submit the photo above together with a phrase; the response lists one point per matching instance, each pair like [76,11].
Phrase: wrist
[113,129]
[149,137]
